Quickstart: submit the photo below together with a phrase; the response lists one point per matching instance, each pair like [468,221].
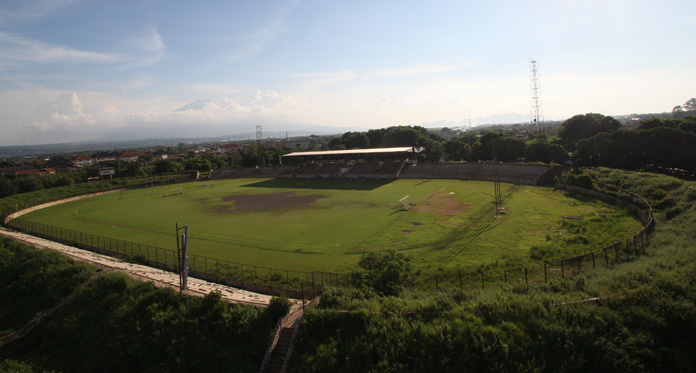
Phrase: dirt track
[196,286]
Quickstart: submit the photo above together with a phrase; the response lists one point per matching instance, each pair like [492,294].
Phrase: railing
[276,336]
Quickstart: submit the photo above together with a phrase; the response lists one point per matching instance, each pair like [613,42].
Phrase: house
[273,144]
[104,157]
[14,169]
[227,149]
[126,156]
[297,143]
[83,160]
[28,171]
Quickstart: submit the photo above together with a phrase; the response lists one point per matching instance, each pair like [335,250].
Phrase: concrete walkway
[196,287]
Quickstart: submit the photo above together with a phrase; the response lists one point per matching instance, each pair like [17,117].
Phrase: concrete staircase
[280,350]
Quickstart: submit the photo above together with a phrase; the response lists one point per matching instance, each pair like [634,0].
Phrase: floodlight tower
[537,120]
[259,134]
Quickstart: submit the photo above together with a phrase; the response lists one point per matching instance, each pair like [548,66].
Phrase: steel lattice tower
[537,115]
[259,134]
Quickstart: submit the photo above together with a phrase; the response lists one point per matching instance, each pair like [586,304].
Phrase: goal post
[173,191]
[405,203]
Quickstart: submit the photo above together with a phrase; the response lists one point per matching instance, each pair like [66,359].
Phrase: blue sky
[73,70]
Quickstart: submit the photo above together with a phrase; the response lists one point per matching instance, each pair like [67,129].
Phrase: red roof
[126,154]
[27,172]
[83,158]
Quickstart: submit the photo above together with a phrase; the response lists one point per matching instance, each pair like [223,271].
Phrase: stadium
[292,228]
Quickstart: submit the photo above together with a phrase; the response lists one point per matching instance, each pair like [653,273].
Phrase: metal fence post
[593,260]
[628,254]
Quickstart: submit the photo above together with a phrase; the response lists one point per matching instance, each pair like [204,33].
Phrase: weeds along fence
[302,284]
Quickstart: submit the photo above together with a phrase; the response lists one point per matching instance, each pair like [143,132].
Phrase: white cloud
[63,114]
[416,70]
[28,11]
[17,50]
[152,45]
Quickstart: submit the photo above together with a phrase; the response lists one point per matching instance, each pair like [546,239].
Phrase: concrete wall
[234,173]
[508,172]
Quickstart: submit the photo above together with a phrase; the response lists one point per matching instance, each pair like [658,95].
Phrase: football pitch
[324,225]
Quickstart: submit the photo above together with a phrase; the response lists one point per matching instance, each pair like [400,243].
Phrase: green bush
[278,307]
[386,273]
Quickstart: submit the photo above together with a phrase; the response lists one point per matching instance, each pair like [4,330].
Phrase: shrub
[278,307]
[387,273]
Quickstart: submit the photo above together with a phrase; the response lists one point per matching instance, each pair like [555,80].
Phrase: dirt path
[196,287]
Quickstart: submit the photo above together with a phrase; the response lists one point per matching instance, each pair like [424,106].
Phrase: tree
[508,149]
[433,151]
[483,149]
[334,143]
[545,152]
[688,124]
[585,126]
[688,108]
[376,137]
[355,140]
[669,147]
[28,183]
[7,188]
[386,273]
[690,104]
[457,150]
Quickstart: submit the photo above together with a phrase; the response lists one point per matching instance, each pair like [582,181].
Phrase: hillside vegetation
[632,317]
[119,324]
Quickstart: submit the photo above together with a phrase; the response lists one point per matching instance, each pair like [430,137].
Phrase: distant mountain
[196,105]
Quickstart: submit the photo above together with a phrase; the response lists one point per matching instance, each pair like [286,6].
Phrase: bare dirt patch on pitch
[266,202]
[441,204]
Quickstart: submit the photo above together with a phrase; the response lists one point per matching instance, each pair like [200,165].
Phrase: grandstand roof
[375,151]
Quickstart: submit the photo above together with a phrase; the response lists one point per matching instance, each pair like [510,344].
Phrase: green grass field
[325,224]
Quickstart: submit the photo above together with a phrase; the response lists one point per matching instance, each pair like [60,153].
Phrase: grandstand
[378,163]
[391,163]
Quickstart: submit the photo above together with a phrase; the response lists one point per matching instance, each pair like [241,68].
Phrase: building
[227,149]
[104,157]
[83,160]
[126,156]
